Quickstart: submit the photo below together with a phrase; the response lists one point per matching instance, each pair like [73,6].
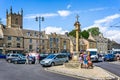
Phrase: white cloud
[97,9]
[104,26]
[113,35]
[64,13]
[107,19]
[68,6]
[31,16]
[58,30]
[94,9]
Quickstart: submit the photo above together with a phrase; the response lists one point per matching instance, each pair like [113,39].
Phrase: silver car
[54,59]
[11,56]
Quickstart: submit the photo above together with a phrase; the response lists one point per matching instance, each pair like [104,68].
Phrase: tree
[85,34]
[72,33]
[94,31]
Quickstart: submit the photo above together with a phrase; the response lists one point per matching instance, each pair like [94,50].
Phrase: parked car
[43,56]
[68,54]
[2,56]
[109,57]
[22,60]
[54,59]
[116,52]
[11,56]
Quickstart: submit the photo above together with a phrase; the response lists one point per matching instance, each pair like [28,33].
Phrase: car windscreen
[50,56]
[93,52]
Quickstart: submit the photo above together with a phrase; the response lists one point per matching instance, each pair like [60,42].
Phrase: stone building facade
[102,43]
[58,43]
[84,44]
[112,44]
[15,39]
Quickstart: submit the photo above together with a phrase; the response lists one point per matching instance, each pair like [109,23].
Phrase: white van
[93,54]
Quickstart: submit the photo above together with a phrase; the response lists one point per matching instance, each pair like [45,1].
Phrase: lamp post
[39,19]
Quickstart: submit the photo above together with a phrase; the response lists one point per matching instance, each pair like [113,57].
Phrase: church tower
[14,20]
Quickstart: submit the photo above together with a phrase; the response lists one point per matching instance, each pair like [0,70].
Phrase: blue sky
[60,14]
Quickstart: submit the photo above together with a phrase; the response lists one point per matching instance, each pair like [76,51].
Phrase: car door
[57,59]
[64,58]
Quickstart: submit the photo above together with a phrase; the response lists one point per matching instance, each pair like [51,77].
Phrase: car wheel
[15,62]
[9,61]
[52,64]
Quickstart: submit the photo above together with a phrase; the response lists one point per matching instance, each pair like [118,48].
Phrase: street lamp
[39,19]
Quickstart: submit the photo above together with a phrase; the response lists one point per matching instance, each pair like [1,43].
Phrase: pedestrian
[37,58]
[81,59]
[85,60]
[27,59]
[90,64]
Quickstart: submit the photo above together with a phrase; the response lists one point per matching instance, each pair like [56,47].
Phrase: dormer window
[28,33]
[35,34]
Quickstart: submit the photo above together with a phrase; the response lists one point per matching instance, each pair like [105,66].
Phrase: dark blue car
[2,56]
[109,57]
[22,60]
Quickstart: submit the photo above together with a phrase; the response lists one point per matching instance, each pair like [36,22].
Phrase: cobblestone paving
[96,73]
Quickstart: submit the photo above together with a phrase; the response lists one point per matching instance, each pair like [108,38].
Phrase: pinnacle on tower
[6,11]
[21,11]
[11,9]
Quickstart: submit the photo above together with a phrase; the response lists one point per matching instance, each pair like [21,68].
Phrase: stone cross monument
[77,28]
[74,63]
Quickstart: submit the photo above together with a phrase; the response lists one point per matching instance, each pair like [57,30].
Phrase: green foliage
[72,33]
[85,34]
[94,31]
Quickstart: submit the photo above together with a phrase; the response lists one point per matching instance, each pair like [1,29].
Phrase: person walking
[85,60]
[81,59]
[27,59]
[37,58]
